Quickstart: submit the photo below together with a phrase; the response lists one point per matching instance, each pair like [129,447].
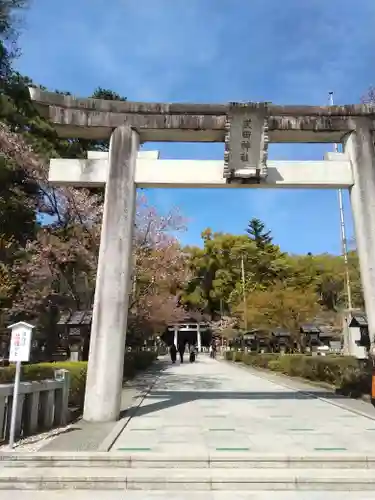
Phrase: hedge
[134,361]
[345,373]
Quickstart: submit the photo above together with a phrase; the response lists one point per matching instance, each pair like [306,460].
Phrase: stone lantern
[76,328]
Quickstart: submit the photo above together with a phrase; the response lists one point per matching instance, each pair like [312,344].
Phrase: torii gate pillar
[108,331]
[359,147]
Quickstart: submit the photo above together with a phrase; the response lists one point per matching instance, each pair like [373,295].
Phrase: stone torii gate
[246,130]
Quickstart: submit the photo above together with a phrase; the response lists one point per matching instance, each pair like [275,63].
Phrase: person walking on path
[181,350]
[213,349]
[173,353]
[193,353]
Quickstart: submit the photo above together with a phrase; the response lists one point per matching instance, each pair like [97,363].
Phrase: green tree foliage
[10,11]
[215,270]
[257,232]
[9,16]
[315,282]
[283,306]
[18,191]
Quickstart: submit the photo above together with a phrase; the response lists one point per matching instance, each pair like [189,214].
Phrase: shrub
[230,355]
[134,361]
[259,360]
[137,360]
[43,371]
[235,356]
[275,365]
[356,381]
[344,372]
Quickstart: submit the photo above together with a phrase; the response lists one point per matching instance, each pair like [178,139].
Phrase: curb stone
[110,440]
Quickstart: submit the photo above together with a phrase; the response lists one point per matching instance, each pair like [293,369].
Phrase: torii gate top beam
[167,122]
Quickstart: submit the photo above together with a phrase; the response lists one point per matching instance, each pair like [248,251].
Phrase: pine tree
[256,230]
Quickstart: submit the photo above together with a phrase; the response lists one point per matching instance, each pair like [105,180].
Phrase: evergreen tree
[256,231]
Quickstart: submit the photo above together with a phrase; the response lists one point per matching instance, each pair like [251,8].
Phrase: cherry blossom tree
[60,264]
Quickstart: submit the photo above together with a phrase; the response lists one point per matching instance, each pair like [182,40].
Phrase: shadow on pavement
[176,398]
[204,390]
[147,378]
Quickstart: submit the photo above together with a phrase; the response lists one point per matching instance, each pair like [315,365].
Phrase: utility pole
[133,294]
[221,322]
[343,233]
[244,292]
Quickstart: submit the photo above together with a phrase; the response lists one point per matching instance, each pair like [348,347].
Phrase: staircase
[149,472]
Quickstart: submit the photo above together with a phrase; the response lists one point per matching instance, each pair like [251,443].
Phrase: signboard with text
[20,342]
[247,141]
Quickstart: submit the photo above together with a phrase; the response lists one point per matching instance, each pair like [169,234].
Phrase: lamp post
[221,323]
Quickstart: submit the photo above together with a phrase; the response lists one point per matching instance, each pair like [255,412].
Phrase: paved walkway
[211,406]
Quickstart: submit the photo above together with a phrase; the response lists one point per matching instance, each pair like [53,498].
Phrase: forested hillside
[280,289]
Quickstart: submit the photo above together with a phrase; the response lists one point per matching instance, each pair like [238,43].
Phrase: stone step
[217,460]
[183,495]
[83,478]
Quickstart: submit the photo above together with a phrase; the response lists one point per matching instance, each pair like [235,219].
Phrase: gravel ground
[35,443]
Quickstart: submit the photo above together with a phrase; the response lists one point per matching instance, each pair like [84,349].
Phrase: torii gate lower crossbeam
[335,172]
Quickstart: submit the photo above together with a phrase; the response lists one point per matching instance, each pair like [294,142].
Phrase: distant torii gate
[246,130]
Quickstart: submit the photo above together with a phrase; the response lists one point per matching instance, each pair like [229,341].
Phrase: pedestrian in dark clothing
[213,349]
[192,354]
[181,350]
[173,353]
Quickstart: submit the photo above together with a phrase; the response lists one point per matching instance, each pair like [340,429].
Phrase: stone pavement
[216,407]
[85,436]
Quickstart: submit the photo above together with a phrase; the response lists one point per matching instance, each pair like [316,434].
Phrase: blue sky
[284,51]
